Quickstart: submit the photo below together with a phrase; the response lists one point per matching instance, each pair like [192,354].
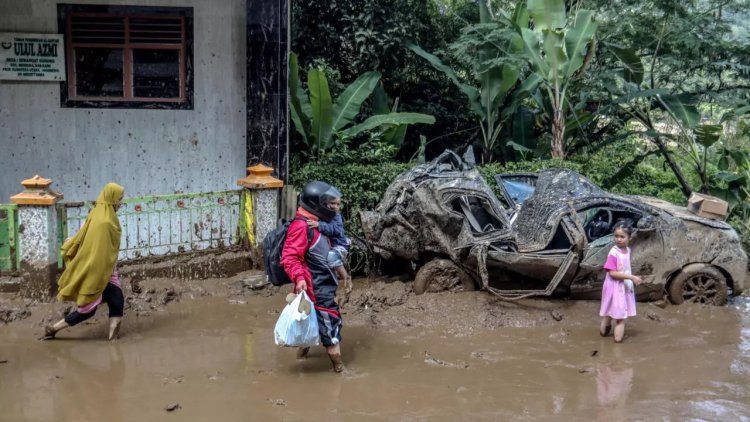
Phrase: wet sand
[441,356]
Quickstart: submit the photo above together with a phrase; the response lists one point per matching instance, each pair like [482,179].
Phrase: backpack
[273,244]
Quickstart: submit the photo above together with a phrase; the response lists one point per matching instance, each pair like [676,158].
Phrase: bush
[362,185]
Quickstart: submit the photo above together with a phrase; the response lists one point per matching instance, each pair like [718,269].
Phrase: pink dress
[617,301]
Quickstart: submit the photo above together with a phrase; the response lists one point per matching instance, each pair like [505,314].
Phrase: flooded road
[439,356]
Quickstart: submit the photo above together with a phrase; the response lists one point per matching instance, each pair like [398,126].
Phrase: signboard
[32,57]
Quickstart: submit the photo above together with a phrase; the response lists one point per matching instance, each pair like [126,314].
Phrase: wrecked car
[545,234]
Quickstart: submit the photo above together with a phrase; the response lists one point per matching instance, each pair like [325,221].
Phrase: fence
[165,224]
[9,257]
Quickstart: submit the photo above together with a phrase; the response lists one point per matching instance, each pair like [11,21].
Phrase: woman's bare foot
[302,352]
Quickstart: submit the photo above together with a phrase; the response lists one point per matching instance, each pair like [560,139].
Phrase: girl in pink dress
[618,293]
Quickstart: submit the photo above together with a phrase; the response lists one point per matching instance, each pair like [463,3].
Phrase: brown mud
[203,350]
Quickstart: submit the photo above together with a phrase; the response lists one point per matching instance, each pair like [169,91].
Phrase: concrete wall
[147,151]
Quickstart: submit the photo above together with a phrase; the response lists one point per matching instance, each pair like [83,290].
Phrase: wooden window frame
[184,15]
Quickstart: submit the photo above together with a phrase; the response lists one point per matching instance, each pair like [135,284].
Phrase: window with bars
[127,57]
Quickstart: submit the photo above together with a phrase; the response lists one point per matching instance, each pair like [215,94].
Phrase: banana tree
[558,53]
[321,121]
[491,50]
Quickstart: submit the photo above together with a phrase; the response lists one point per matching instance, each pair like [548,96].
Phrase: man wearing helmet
[308,267]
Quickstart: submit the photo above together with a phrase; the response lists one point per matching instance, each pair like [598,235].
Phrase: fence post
[260,209]
[37,232]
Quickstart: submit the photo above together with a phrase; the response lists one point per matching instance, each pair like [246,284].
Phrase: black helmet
[315,198]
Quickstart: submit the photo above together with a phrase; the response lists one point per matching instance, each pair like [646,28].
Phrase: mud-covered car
[545,234]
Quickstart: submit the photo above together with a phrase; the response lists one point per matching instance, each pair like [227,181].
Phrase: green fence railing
[9,256]
[165,224]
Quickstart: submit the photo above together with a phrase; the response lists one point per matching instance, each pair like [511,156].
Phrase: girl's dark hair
[624,224]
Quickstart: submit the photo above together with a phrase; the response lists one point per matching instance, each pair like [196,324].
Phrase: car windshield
[518,191]
[516,187]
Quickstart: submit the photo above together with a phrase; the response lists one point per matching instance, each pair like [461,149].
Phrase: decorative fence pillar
[37,230]
[260,208]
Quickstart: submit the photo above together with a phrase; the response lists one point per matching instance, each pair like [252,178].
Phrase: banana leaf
[350,101]
[322,109]
[296,98]
[577,41]
[390,119]
[547,14]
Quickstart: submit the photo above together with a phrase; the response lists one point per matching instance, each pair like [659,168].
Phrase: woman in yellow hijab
[90,275]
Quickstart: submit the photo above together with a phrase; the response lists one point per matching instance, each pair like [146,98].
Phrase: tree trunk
[558,135]
[686,189]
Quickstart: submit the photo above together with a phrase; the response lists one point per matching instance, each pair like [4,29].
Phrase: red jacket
[295,247]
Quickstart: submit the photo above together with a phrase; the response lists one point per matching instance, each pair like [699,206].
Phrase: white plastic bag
[295,328]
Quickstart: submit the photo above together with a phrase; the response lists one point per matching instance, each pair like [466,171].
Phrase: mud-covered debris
[169,296]
[277,402]
[173,380]
[661,303]
[594,353]
[556,315]
[3,361]
[257,282]
[380,296]
[584,370]
[172,407]
[13,314]
[428,359]
[653,317]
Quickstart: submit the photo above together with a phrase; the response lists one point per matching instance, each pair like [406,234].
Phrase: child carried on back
[340,243]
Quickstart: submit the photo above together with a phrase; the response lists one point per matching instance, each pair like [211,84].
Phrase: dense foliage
[642,96]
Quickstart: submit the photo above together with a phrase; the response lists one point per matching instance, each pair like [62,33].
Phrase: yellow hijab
[91,254]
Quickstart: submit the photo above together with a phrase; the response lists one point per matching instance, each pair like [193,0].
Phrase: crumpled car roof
[559,190]
[556,191]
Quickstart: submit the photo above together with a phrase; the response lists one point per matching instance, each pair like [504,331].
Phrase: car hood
[682,212]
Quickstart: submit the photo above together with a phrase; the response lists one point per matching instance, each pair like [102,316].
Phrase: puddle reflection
[613,384]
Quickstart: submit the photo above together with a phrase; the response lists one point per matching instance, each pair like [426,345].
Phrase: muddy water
[440,356]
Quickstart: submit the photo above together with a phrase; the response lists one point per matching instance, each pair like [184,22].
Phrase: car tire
[705,285]
[442,274]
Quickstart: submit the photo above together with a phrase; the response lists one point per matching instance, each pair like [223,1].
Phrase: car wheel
[705,285]
[442,274]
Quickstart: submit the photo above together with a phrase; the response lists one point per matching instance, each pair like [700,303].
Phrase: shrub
[362,185]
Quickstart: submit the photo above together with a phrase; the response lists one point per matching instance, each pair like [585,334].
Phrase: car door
[646,245]
[541,273]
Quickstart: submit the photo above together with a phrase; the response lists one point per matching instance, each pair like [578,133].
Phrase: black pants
[112,295]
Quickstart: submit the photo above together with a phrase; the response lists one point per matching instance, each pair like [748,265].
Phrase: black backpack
[273,244]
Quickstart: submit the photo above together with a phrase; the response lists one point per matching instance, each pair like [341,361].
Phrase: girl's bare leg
[619,330]
[605,326]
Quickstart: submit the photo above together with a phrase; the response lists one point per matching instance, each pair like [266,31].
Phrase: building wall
[147,151]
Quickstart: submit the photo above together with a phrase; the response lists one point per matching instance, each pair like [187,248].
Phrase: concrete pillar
[37,232]
[268,23]
[261,205]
